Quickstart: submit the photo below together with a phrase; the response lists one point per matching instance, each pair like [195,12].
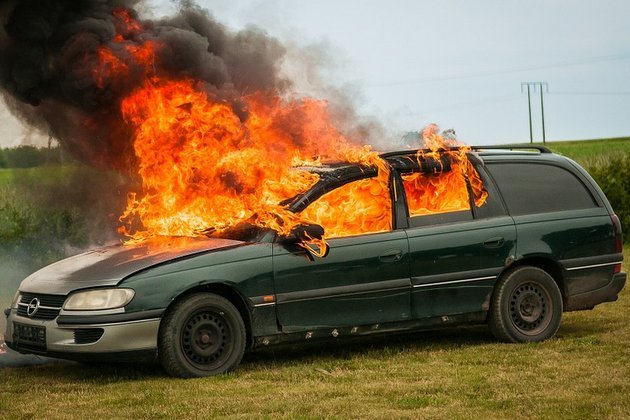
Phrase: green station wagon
[545,241]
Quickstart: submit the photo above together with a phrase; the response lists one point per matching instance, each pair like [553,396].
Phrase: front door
[364,279]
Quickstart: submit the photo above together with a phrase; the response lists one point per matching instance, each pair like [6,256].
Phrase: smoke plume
[51,66]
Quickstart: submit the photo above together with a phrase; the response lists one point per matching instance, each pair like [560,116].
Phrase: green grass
[44,175]
[459,373]
[591,152]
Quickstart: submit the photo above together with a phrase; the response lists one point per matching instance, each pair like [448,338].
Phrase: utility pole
[535,85]
[529,107]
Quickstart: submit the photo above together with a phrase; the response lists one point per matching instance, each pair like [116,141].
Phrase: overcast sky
[459,64]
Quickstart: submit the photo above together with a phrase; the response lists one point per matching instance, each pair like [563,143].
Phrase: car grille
[87,335]
[49,305]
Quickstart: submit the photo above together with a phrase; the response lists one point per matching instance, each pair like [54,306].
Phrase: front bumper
[83,341]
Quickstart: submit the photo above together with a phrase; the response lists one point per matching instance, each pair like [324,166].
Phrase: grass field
[43,175]
[460,373]
[591,152]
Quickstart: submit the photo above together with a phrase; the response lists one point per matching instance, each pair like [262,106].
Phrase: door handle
[391,256]
[495,242]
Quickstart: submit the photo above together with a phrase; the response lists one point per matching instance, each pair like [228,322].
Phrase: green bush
[48,213]
[36,234]
[27,156]
[613,176]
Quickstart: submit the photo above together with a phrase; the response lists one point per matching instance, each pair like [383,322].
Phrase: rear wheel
[526,306]
[201,335]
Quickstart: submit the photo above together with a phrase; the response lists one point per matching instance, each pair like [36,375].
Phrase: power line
[457,105]
[498,72]
[589,93]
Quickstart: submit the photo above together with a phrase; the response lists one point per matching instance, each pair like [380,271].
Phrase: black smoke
[49,50]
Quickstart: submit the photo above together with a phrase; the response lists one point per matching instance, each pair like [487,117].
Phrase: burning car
[507,247]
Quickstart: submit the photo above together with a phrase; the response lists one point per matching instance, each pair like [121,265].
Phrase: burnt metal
[306,232]
[400,213]
[418,163]
[330,178]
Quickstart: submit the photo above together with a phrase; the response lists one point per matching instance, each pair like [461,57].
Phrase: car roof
[409,160]
[334,174]
[481,150]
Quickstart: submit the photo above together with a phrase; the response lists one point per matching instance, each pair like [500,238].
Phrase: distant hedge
[613,176]
[50,212]
[29,157]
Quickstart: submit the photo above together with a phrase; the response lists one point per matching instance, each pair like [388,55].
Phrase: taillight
[618,238]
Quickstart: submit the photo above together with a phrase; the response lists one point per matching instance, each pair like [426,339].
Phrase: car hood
[109,265]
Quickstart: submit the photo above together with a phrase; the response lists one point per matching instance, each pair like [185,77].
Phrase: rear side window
[437,198]
[539,188]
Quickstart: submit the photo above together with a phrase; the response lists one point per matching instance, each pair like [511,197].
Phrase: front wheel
[201,335]
[526,306]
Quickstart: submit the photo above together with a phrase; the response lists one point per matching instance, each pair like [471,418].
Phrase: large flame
[442,192]
[204,165]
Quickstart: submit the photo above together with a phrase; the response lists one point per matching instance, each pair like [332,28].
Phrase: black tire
[201,335]
[526,306]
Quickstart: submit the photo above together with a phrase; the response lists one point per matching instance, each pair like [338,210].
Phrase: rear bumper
[588,300]
[97,341]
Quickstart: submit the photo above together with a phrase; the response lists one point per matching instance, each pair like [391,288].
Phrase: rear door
[456,249]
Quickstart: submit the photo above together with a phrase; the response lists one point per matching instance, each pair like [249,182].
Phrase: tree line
[30,156]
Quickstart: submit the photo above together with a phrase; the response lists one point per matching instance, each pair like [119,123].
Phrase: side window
[437,198]
[539,188]
[359,207]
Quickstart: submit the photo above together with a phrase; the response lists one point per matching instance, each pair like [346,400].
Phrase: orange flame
[444,191]
[202,166]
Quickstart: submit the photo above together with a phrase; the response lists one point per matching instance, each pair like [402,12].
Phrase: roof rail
[407,152]
[541,149]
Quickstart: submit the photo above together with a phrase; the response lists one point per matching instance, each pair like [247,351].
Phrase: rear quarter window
[437,198]
[539,188]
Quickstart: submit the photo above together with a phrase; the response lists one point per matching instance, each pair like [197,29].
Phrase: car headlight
[98,299]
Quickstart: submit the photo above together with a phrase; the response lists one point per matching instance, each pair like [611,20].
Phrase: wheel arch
[228,292]
[549,265]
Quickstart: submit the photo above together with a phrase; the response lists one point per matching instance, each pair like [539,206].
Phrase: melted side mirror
[305,232]
[309,237]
